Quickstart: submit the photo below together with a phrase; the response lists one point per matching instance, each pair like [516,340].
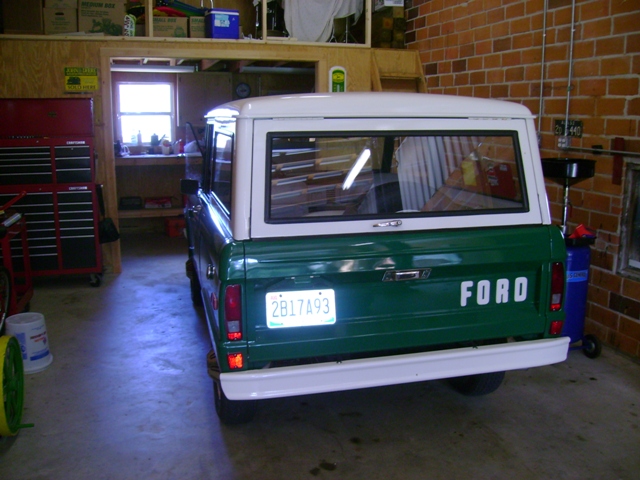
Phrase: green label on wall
[337,79]
[80,79]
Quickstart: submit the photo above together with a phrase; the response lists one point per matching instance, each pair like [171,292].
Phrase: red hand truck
[16,285]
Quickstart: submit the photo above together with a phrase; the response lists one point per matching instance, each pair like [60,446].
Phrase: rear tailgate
[400,291]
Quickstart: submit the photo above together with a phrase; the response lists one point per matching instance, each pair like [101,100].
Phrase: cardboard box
[101,17]
[388,3]
[169,27]
[22,17]
[196,27]
[174,226]
[61,4]
[60,20]
[221,23]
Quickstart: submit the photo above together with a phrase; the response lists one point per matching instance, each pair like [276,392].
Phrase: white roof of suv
[370,104]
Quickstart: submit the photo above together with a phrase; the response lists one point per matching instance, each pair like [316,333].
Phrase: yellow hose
[11,386]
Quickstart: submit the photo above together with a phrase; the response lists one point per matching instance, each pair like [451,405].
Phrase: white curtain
[312,20]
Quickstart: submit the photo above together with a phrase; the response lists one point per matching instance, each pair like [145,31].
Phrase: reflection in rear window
[393,175]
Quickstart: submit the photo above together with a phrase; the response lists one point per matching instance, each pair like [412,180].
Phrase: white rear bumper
[391,370]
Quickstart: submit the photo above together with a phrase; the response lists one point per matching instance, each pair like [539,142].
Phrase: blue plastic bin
[222,23]
[575,305]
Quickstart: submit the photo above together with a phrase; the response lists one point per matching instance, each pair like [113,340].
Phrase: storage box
[101,17]
[388,28]
[222,23]
[388,3]
[157,202]
[169,26]
[196,27]
[61,4]
[60,20]
[22,17]
[174,226]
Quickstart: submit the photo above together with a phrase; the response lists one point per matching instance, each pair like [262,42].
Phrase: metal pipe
[542,71]
[569,87]
[565,207]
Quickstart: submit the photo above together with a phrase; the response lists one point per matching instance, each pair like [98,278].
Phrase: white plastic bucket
[31,332]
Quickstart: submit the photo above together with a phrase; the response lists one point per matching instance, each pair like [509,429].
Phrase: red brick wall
[493,48]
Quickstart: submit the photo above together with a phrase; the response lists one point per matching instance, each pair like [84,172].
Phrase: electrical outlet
[564,142]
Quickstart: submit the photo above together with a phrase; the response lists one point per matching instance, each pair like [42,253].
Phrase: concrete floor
[128,397]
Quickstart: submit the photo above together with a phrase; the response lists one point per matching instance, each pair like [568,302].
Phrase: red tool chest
[46,149]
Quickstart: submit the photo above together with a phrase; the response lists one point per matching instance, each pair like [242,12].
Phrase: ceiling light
[154,68]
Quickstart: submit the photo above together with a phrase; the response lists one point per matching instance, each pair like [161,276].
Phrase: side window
[221,168]
[218,161]
[395,175]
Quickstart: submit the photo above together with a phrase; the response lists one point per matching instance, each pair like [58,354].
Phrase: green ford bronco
[352,240]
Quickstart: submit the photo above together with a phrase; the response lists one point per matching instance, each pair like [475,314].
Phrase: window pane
[367,176]
[147,125]
[145,98]
[221,173]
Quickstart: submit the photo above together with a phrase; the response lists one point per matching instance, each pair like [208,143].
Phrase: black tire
[591,346]
[196,296]
[194,283]
[232,412]
[477,385]
[5,295]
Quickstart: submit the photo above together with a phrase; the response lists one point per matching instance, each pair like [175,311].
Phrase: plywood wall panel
[33,67]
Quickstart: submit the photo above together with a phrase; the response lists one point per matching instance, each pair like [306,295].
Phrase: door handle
[392,223]
[196,208]
[402,275]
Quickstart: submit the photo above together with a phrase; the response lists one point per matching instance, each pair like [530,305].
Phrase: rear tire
[477,385]
[196,297]
[194,283]
[232,412]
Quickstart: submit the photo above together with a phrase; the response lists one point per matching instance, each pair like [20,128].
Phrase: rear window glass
[351,176]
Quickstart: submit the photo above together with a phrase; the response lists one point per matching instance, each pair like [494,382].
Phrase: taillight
[236,361]
[557,286]
[556,327]
[233,312]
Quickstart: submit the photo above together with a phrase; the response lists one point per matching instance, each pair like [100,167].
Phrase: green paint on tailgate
[480,284]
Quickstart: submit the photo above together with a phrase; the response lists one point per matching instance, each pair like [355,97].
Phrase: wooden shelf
[152,160]
[150,213]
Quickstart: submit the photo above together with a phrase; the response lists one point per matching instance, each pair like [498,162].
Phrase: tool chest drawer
[46,160]
[25,165]
[73,164]
[62,229]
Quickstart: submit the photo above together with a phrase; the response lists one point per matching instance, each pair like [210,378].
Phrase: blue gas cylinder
[577,284]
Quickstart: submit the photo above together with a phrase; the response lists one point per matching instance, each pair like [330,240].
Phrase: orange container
[174,226]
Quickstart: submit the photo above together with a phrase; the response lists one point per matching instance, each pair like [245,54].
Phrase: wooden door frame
[107,53]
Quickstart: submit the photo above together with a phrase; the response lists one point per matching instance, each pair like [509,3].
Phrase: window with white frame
[629,256]
[145,108]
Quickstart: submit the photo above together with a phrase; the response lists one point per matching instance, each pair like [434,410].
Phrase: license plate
[301,308]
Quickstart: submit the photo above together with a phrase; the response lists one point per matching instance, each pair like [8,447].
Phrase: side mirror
[189,187]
